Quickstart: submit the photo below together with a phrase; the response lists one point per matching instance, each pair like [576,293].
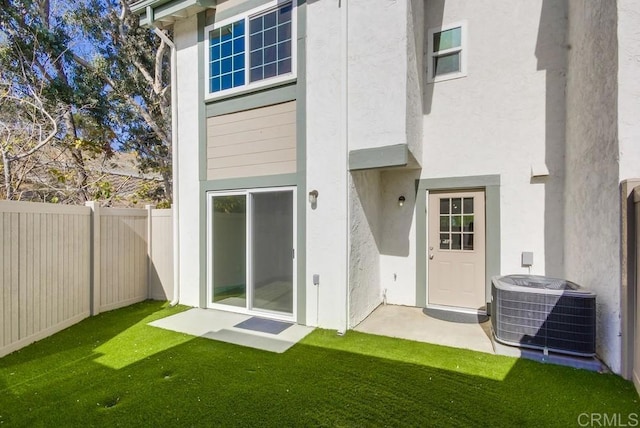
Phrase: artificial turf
[115,370]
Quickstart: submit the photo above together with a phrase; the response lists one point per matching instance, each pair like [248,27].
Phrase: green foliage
[230,204]
[93,65]
[151,191]
[102,190]
[127,55]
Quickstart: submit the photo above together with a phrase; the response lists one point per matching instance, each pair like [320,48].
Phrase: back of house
[332,155]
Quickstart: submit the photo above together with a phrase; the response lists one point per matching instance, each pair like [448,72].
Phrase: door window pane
[444,241]
[468,205]
[229,250]
[467,239]
[456,223]
[467,223]
[456,241]
[444,205]
[456,206]
[444,223]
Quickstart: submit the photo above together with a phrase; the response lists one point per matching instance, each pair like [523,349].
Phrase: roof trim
[168,11]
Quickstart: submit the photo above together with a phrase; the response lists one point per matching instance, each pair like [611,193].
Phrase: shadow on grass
[326,380]
[83,341]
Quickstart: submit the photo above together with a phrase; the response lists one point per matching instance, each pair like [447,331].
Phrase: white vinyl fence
[59,264]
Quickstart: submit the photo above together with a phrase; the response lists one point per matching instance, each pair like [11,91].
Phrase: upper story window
[447,52]
[252,50]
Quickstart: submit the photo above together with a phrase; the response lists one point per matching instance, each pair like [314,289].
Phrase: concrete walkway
[221,325]
[413,324]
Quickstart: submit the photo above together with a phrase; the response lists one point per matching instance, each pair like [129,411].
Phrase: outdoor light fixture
[313,197]
[401,201]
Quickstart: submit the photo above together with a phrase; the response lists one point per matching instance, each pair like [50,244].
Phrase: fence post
[149,209]
[95,257]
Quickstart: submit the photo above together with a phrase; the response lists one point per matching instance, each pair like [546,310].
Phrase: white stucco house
[335,154]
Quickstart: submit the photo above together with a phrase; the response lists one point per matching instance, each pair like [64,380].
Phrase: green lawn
[115,370]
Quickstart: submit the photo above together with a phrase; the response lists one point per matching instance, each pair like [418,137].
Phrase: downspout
[174,158]
[344,51]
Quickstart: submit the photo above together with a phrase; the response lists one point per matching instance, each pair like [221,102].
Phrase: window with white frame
[251,50]
[447,52]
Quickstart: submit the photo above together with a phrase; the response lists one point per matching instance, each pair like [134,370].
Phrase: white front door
[456,250]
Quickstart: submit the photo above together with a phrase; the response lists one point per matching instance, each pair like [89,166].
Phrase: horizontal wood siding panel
[254,142]
[252,114]
[45,271]
[161,267]
[248,148]
[254,171]
[251,159]
[253,124]
[258,136]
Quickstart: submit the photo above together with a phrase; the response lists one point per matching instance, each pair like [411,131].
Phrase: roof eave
[163,13]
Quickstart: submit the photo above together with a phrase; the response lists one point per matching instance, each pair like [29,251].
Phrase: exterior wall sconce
[313,197]
[401,201]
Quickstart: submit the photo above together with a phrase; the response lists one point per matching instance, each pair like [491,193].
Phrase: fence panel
[161,255]
[123,257]
[60,263]
[45,270]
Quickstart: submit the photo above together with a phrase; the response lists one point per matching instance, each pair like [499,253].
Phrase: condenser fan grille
[544,318]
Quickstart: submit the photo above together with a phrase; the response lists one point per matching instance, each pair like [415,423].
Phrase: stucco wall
[327,223]
[364,245]
[398,232]
[505,117]
[185,37]
[592,234]
[629,87]
[377,66]
[415,75]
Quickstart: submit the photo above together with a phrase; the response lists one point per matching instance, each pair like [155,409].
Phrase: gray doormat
[264,325]
[458,317]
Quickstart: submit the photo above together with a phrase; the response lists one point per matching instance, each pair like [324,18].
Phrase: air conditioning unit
[544,313]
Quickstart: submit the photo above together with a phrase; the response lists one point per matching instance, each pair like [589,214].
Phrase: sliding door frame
[248,309]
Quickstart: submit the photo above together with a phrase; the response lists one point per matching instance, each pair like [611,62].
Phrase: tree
[36,52]
[26,125]
[95,69]
[134,64]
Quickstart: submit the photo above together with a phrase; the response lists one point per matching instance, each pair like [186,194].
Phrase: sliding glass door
[272,251]
[251,251]
[229,250]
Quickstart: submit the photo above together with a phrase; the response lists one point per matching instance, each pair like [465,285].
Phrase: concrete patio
[224,326]
[415,324]
[459,330]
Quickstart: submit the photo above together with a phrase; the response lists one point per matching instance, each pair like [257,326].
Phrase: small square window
[447,52]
